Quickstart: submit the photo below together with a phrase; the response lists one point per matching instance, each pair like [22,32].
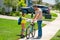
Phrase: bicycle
[30,30]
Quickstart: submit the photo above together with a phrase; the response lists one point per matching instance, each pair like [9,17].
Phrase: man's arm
[36,17]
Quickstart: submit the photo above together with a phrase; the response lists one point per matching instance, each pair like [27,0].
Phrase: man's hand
[33,20]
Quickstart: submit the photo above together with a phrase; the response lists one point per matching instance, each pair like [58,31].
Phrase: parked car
[45,9]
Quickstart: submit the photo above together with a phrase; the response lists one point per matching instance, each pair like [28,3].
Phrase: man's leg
[39,28]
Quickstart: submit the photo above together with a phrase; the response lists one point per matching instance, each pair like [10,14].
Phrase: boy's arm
[36,17]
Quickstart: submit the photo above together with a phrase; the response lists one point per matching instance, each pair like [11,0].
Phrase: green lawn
[57,36]
[9,29]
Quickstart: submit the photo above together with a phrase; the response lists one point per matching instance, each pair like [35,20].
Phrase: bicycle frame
[30,30]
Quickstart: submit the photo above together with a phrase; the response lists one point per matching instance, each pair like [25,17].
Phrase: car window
[42,7]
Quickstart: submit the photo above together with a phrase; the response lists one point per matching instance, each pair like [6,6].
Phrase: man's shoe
[38,37]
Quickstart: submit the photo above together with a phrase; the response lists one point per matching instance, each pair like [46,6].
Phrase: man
[38,17]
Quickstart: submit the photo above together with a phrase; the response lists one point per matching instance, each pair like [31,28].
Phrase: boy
[23,23]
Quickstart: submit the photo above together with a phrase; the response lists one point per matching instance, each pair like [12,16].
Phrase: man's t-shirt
[39,11]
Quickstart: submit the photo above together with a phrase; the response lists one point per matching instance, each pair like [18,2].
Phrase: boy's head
[23,14]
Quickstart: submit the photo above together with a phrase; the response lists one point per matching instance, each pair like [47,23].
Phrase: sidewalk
[8,17]
[50,30]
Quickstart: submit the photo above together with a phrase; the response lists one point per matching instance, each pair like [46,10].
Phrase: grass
[49,19]
[57,36]
[53,14]
[9,29]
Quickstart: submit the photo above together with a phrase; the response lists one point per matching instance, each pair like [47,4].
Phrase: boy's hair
[23,15]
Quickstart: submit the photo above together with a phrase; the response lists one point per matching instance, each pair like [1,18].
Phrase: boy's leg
[23,29]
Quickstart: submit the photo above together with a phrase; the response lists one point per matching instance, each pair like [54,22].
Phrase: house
[7,9]
[1,3]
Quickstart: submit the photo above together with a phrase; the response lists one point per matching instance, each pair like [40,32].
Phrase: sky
[49,1]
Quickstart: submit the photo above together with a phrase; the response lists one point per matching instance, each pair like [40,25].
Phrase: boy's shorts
[23,21]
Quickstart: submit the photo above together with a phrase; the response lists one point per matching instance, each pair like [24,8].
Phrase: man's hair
[34,5]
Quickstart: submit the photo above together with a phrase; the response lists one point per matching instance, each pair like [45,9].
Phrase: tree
[7,2]
[11,2]
[40,2]
[22,3]
[57,5]
[14,3]
[57,1]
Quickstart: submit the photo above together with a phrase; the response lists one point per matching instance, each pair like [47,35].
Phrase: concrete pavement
[50,29]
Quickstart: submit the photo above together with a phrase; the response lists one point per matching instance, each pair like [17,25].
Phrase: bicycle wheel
[33,33]
[30,30]
[28,33]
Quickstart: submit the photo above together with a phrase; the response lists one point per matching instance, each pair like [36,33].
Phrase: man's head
[35,7]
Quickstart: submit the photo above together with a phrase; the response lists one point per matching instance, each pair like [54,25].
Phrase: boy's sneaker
[22,36]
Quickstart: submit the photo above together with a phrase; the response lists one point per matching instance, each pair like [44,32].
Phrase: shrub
[54,14]
[14,13]
[17,13]
[2,10]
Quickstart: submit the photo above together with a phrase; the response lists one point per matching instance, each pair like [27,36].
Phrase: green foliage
[22,3]
[57,5]
[7,2]
[14,13]
[2,10]
[14,3]
[11,2]
[57,1]
[39,2]
[54,15]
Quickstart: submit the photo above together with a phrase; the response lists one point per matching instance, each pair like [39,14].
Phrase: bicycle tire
[28,32]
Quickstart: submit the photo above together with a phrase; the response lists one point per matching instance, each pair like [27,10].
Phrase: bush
[54,14]
[11,13]
[2,10]
[15,14]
